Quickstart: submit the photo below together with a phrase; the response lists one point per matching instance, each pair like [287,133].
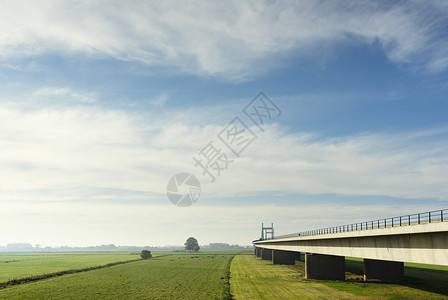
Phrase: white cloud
[408,165]
[160,100]
[233,39]
[89,147]
[64,94]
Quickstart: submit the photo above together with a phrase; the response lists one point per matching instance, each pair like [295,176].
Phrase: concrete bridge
[383,244]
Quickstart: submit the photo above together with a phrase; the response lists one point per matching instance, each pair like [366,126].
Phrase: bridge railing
[405,220]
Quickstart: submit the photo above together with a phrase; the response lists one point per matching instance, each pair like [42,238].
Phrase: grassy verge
[420,282]
[253,278]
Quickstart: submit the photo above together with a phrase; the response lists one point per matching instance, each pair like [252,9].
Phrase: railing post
[429,217]
[400,221]
[385,224]
[418,218]
[392,222]
[441,215]
[409,217]
[378,224]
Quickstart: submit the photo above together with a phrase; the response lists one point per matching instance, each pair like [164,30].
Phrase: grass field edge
[17,281]
[227,294]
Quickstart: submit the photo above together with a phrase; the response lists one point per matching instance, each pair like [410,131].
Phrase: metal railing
[406,220]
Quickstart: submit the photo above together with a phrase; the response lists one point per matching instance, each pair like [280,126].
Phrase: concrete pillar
[258,252]
[280,257]
[383,270]
[324,267]
[266,254]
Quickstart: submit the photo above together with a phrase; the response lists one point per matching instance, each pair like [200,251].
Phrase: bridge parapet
[436,216]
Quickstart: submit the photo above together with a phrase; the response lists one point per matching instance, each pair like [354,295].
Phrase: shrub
[146,254]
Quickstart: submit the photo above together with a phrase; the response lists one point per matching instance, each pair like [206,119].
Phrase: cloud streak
[233,39]
[85,147]
[64,93]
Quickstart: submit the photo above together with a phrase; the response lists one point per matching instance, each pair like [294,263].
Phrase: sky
[103,102]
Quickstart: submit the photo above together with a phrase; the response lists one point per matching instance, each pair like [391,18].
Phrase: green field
[178,276]
[253,278]
[204,275]
[420,282]
[19,265]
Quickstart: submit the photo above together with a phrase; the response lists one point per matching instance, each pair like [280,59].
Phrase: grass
[204,275]
[19,265]
[253,278]
[179,276]
[420,282]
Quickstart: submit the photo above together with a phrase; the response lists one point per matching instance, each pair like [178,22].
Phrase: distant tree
[146,254]
[191,244]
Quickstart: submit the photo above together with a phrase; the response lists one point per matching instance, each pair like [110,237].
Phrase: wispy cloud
[233,39]
[62,94]
[90,147]
[160,100]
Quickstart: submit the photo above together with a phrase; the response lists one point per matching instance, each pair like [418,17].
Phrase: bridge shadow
[423,277]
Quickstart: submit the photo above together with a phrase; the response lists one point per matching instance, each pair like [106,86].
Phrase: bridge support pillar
[280,257]
[324,267]
[383,270]
[258,252]
[266,254]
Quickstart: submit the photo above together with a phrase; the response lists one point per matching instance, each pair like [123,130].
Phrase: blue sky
[102,102]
